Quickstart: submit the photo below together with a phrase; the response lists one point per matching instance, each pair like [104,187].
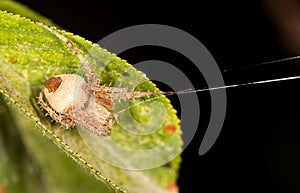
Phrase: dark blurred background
[258,149]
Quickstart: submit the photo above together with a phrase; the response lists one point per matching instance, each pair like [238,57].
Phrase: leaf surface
[139,156]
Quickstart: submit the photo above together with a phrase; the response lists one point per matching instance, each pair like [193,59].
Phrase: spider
[71,100]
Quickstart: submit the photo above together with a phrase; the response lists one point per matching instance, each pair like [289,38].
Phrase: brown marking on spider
[70,100]
[53,83]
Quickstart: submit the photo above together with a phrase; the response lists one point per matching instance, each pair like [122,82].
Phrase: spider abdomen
[66,91]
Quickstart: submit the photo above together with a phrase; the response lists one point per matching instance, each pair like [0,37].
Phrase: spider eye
[53,83]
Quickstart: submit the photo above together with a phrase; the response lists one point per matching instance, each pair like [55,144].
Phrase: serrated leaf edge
[74,155]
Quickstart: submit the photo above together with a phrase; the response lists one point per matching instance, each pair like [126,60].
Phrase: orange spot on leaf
[3,189]
[13,60]
[172,187]
[170,128]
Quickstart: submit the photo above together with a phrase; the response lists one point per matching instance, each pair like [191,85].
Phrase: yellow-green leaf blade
[29,54]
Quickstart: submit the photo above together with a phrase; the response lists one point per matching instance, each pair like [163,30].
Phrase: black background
[259,146]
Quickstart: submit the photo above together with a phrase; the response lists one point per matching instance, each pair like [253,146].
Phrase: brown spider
[71,100]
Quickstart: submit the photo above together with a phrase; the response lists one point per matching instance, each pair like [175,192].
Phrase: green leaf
[124,161]
[17,8]
[25,165]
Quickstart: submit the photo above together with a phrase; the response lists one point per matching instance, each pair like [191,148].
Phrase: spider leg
[136,94]
[100,125]
[64,120]
[109,89]
[83,60]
